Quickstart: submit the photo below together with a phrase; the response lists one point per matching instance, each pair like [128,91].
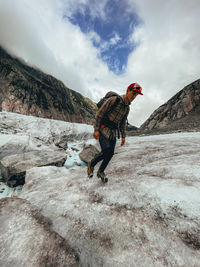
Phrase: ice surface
[44,129]
[148,212]
[39,133]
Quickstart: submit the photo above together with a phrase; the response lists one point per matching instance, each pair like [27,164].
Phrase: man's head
[132,91]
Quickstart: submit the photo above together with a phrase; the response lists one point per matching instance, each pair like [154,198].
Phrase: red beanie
[136,87]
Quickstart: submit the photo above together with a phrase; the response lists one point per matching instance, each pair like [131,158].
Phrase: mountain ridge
[29,91]
[178,113]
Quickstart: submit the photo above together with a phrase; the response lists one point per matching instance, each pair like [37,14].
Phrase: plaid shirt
[118,116]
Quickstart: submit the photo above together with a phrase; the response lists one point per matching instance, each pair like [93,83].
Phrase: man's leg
[105,144]
[107,151]
[107,154]
[98,157]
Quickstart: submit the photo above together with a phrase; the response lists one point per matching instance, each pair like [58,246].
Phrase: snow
[169,157]
[5,191]
[5,138]
[44,129]
[168,169]
[26,128]
[149,210]
[151,178]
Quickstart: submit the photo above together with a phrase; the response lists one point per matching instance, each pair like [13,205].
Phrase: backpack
[108,95]
[105,120]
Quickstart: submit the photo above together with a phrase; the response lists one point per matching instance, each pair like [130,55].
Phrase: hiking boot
[102,176]
[90,170]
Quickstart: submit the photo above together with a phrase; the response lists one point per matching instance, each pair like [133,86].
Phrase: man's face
[131,95]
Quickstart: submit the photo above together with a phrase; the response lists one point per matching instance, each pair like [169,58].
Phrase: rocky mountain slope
[181,112]
[29,91]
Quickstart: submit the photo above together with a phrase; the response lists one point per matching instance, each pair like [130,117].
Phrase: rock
[29,91]
[27,240]
[74,149]
[13,168]
[62,144]
[77,163]
[88,153]
[60,140]
[182,111]
[130,127]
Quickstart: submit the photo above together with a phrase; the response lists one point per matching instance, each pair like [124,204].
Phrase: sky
[98,46]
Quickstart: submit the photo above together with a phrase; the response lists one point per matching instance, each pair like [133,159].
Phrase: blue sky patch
[113,31]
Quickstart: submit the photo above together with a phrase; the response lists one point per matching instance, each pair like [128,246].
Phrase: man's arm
[123,128]
[123,141]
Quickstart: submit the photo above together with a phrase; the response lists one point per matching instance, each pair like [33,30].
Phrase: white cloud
[96,8]
[94,37]
[106,45]
[115,39]
[166,59]
[36,32]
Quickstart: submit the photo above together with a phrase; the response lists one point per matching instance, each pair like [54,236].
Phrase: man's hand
[123,141]
[96,135]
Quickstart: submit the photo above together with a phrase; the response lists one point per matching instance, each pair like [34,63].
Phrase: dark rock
[62,144]
[182,111]
[75,149]
[88,153]
[130,127]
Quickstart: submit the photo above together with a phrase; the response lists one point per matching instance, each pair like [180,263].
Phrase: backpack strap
[115,104]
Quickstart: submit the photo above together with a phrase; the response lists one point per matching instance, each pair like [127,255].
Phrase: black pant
[107,151]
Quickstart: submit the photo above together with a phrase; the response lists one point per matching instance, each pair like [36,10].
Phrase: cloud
[96,8]
[36,32]
[165,59]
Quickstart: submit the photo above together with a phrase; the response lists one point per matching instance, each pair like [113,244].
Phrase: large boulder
[88,153]
[13,168]
[148,214]
[27,240]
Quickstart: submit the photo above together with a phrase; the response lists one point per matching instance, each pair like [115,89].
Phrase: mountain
[29,91]
[181,112]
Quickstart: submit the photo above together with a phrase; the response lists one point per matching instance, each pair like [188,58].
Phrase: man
[107,122]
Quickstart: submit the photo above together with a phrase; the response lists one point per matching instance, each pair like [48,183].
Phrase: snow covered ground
[47,132]
[167,165]
[169,156]
[147,214]
[149,211]
[73,162]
